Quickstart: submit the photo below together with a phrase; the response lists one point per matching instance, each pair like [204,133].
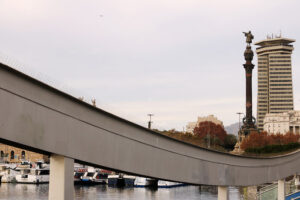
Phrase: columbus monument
[248,121]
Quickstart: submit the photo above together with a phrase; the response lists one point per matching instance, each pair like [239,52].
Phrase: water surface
[40,192]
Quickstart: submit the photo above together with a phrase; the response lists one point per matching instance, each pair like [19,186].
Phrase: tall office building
[275,86]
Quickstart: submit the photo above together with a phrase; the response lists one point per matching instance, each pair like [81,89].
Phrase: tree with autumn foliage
[207,129]
[263,141]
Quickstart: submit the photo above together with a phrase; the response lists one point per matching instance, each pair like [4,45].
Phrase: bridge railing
[268,192]
[271,191]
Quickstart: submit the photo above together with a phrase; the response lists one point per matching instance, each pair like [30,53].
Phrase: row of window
[288,84]
[263,106]
[280,72]
[281,104]
[281,80]
[262,63]
[280,56]
[278,69]
[282,100]
[277,101]
[282,97]
[281,88]
[263,97]
[262,101]
[12,155]
[281,77]
[280,65]
[280,61]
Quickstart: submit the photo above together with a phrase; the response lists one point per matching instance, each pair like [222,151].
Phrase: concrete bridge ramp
[41,118]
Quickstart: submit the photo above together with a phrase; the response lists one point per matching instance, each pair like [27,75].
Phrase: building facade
[275,85]
[282,122]
[14,155]
[211,118]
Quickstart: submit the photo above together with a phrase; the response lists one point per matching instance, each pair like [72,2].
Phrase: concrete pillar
[61,178]
[222,193]
[281,190]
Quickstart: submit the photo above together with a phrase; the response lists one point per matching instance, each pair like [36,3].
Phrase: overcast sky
[178,59]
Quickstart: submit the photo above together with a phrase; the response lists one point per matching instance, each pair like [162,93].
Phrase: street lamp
[239,113]
[239,135]
[150,122]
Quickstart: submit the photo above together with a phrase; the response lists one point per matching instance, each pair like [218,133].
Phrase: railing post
[281,189]
[61,178]
[222,193]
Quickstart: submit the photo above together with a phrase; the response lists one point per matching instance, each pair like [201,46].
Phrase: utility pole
[239,132]
[208,137]
[239,113]
[150,122]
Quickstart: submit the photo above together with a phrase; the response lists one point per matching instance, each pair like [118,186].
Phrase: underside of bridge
[39,117]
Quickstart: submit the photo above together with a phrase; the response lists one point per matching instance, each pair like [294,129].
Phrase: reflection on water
[40,192]
[23,191]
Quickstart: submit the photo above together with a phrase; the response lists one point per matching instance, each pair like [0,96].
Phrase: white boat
[78,173]
[24,165]
[7,174]
[168,184]
[33,175]
[145,182]
[93,176]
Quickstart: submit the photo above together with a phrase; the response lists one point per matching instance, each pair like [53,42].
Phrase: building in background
[275,86]
[14,155]
[282,122]
[211,118]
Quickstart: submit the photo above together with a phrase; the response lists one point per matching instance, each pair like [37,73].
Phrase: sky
[176,59]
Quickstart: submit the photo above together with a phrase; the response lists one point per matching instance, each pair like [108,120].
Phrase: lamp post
[239,132]
[239,113]
[150,122]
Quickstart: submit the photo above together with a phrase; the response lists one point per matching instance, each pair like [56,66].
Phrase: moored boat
[34,176]
[145,182]
[8,175]
[95,177]
[121,180]
[168,184]
[78,173]
[39,174]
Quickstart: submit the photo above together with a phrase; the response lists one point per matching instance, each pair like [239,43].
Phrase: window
[23,155]
[297,129]
[12,155]
[2,154]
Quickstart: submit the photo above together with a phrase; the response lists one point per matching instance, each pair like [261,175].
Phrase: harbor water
[103,192]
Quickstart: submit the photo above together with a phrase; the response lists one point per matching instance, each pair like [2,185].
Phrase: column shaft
[61,178]
[281,190]
[222,193]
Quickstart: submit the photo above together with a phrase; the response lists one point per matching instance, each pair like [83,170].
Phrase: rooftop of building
[275,41]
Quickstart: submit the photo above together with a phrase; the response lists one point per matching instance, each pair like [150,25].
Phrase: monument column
[248,120]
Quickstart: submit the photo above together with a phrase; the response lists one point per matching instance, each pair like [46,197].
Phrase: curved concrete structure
[39,117]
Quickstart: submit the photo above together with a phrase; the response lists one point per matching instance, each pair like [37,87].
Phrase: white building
[211,118]
[282,122]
